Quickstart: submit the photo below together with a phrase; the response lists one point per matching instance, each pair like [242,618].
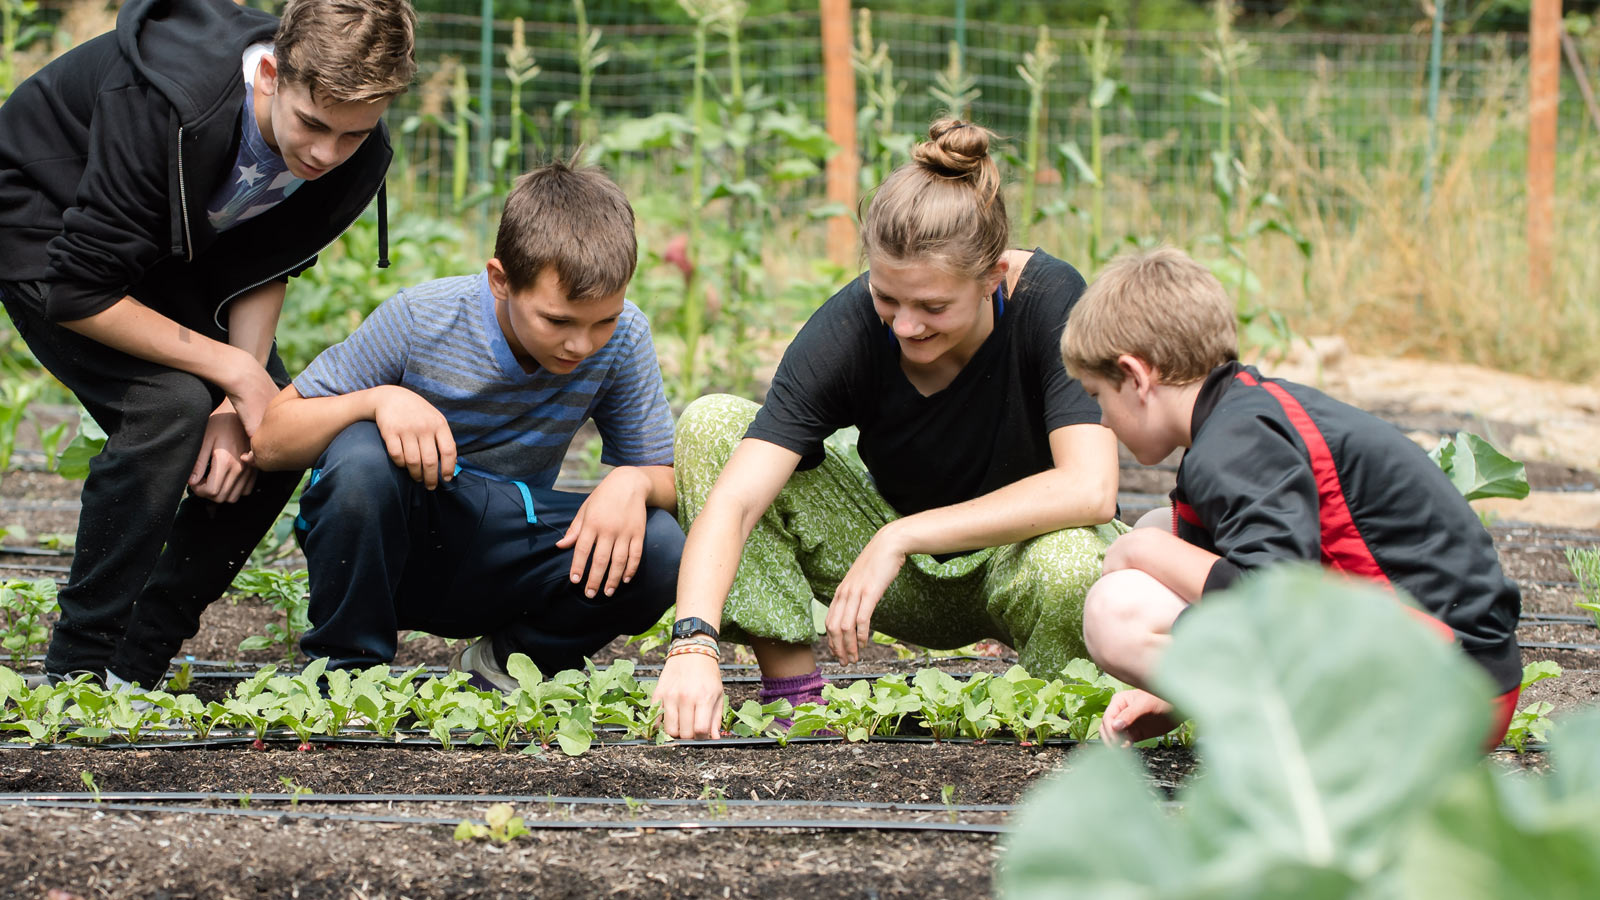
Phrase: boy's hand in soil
[416,435]
[1134,716]
[609,527]
[691,698]
[225,469]
[850,612]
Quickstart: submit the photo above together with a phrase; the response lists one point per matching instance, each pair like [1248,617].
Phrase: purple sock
[796,689]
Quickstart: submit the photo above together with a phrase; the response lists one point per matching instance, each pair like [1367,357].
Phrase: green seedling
[947,796]
[23,608]
[1585,566]
[182,679]
[716,800]
[58,540]
[634,806]
[286,592]
[244,799]
[501,825]
[88,781]
[294,789]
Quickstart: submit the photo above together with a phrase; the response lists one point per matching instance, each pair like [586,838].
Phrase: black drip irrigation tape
[36,567]
[32,551]
[541,799]
[422,740]
[1557,645]
[1555,618]
[534,824]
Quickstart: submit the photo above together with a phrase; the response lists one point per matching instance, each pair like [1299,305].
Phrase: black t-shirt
[990,427]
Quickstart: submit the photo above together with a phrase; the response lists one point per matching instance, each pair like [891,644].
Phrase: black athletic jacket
[1279,471]
[109,155]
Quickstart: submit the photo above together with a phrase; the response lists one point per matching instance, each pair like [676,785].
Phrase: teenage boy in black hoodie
[1272,472]
[158,186]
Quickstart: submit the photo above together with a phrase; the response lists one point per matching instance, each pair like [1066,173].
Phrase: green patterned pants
[1028,595]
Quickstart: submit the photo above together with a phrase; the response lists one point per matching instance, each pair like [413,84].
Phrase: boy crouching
[438,429]
[1272,471]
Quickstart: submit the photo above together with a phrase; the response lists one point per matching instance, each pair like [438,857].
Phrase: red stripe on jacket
[1343,547]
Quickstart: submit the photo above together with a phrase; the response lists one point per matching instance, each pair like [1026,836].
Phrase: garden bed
[762,821]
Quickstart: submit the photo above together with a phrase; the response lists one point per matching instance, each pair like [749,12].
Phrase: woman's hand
[691,698]
[850,613]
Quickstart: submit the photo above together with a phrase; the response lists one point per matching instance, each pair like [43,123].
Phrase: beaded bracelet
[701,651]
[697,641]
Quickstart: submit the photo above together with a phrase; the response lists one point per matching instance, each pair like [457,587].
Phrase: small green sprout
[947,796]
[501,826]
[716,801]
[295,791]
[89,782]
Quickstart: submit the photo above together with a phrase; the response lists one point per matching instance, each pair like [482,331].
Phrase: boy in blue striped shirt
[438,429]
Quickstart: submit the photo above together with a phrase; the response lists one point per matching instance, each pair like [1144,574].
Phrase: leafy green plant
[1289,677]
[1478,470]
[73,460]
[19,28]
[24,605]
[285,591]
[294,789]
[1035,72]
[88,781]
[501,825]
[947,796]
[884,146]
[716,800]
[954,88]
[1585,566]
[589,56]
[1532,722]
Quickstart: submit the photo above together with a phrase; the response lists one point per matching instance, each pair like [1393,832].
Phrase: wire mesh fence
[1343,99]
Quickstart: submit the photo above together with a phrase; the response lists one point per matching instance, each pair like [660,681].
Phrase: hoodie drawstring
[383,224]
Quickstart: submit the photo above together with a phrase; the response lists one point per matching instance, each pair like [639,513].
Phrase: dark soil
[172,854]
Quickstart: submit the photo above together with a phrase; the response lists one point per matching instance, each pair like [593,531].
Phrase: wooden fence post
[1544,87]
[844,169]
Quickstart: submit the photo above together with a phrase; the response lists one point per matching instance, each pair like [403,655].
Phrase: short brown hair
[1159,306]
[575,219]
[360,50]
[944,205]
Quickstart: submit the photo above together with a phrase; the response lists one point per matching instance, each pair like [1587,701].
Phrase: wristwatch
[688,626]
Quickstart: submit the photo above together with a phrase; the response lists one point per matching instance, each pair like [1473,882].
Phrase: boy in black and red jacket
[1273,471]
[159,185]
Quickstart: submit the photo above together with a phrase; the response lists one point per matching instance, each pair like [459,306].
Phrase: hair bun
[954,148]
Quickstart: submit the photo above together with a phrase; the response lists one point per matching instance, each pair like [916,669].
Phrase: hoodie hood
[180,46]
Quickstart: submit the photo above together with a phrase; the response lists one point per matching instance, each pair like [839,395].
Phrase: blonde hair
[573,219]
[1159,306]
[361,50]
[944,205]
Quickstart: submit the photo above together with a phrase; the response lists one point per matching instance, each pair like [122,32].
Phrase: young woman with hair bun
[983,496]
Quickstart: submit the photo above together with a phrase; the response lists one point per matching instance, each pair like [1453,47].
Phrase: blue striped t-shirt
[441,340]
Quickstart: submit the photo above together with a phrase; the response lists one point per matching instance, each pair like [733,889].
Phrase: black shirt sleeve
[1253,489]
[822,377]
[1047,291]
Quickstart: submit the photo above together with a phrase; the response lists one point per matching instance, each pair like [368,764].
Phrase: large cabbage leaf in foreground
[1339,758]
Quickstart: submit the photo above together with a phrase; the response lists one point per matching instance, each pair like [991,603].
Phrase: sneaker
[113,683]
[477,660]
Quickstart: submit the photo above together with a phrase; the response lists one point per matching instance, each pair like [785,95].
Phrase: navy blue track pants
[460,561]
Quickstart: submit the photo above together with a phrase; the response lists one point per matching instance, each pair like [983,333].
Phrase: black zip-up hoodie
[1280,471]
[109,155]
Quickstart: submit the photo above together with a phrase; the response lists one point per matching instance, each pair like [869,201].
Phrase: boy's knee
[356,467]
[1111,611]
[711,427]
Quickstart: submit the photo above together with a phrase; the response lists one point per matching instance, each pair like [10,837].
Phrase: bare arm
[297,429]
[138,330]
[253,320]
[690,689]
[1164,556]
[1080,490]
